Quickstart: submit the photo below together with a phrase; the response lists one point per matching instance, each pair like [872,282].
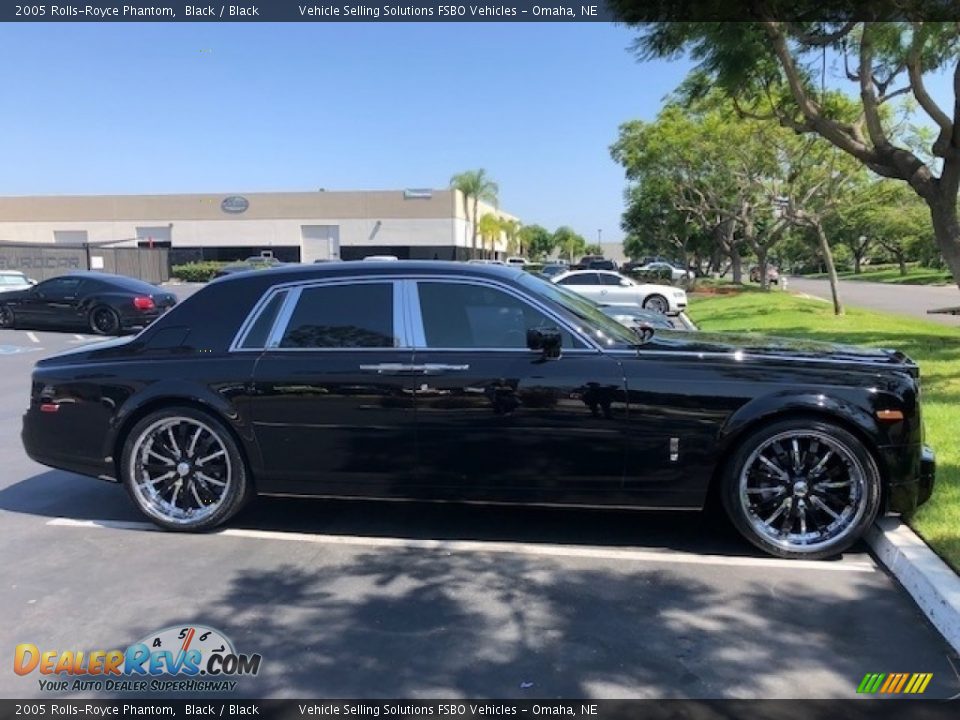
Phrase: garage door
[319,242]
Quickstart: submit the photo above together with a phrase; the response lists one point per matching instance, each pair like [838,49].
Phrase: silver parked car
[612,288]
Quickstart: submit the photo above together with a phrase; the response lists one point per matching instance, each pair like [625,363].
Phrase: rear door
[587,284]
[332,403]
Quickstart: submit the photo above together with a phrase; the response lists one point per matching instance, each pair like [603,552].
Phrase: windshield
[605,330]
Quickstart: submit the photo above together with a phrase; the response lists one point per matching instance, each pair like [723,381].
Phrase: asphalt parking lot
[367,600]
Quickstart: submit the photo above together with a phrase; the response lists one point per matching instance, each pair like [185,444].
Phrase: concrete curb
[930,581]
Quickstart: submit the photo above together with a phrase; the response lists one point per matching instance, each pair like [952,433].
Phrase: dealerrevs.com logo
[175,659]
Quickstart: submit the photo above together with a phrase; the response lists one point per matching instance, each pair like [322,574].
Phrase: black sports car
[98,302]
[450,381]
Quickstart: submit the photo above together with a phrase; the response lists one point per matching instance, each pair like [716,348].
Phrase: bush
[196,271]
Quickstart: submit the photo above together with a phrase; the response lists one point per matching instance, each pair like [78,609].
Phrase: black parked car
[450,381]
[99,302]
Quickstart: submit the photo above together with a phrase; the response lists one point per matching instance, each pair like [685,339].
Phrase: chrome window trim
[410,331]
[247,325]
[539,306]
[283,318]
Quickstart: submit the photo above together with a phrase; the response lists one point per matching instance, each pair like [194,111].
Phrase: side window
[342,316]
[611,280]
[582,279]
[463,315]
[59,286]
[260,330]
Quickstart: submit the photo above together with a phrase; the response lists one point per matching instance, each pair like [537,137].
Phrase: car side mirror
[546,340]
[644,330]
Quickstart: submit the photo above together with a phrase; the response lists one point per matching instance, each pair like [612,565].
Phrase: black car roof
[298,271]
[122,281]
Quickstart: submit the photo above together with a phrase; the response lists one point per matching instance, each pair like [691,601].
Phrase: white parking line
[33,336]
[479,546]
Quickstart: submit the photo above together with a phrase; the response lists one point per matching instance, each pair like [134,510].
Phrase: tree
[593,249]
[537,241]
[475,186]
[511,230]
[490,229]
[777,62]
[569,242]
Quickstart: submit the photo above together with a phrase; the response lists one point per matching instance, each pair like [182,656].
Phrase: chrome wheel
[181,470]
[803,490]
[657,303]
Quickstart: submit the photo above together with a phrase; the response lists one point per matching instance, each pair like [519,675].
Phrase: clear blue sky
[230,108]
[127,108]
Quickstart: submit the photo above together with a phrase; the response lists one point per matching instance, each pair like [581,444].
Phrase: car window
[59,286]
[342,316]
[581,279]
[464,315]
[12,280]
[260,330]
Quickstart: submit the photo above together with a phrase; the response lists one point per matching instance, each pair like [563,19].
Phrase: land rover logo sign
[234,204]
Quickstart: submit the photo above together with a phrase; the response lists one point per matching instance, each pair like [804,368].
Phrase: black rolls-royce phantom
[449,381]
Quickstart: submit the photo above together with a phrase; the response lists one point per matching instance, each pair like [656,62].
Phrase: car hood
[757,346]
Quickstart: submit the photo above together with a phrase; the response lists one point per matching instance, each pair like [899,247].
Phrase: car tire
[207,482]
[657,303]
[8,318]
[811,510]
[104,320]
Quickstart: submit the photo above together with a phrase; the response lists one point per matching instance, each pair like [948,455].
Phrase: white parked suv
[611,288]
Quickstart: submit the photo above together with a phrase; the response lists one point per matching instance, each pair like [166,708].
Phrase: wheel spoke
[795,445]
[193,442]
[818,468]
[208,458]
[823,506]
[207,479]
[780,473]
[173,442]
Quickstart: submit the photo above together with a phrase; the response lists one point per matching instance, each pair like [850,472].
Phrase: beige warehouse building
[294,226]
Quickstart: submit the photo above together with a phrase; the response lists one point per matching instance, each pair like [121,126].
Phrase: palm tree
[475,186]
[490,229]
[511,228]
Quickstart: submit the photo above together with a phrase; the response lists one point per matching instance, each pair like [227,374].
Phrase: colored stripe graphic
[894,683]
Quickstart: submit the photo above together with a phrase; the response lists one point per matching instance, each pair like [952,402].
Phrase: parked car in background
[456,382]
[604,286]
[517,260]
[676,274]
[11,280]
[634,317]
[773,274]
[484,261]
[553,269]
[595,262]
[254,262]
[102,303]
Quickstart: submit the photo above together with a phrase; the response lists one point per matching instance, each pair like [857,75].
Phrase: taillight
[143,303]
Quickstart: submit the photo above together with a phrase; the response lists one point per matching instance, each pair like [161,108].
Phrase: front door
[52,302]
[332,404]
[497,421]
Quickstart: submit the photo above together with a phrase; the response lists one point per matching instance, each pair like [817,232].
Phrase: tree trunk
[476,209]
[762,266]
[946,230]
[902,262]
[737,265]
[856,263]
[827,256]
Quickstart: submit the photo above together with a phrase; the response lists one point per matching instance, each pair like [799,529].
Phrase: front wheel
[7,318]
[183,470]
[802,489]
[657,303]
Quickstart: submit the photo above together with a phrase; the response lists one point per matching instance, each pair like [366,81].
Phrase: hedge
[196,271]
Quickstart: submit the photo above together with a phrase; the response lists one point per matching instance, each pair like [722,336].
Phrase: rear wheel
[183,470]
[657,303]
[802,489]
[104,320]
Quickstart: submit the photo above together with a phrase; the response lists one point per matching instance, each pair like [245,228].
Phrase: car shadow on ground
[57,494]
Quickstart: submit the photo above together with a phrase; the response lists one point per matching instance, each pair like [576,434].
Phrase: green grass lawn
[936,348]
[916,275]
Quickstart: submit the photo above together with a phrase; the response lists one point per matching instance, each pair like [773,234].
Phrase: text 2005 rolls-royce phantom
[455,381]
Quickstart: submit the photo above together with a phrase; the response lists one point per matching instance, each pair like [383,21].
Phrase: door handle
[402,369]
